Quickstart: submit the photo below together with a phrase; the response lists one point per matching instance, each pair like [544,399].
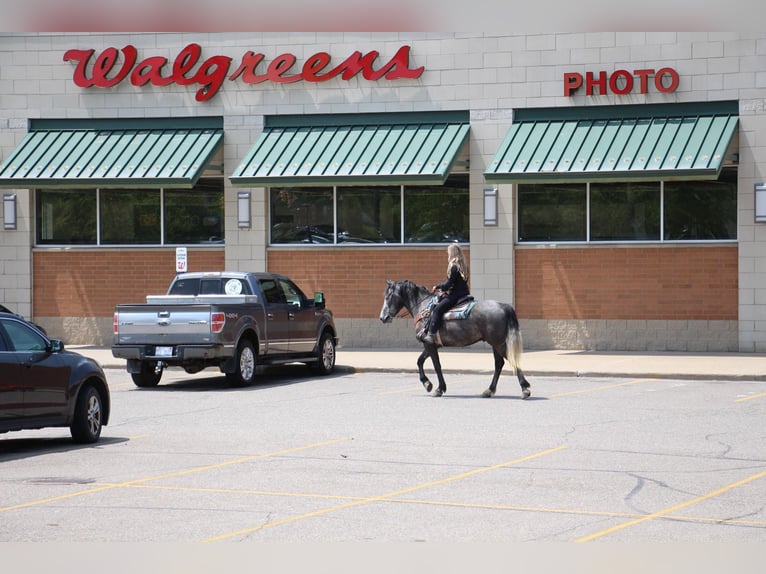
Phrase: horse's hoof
[526,393]
[487,394]
[428,386]
[438,393]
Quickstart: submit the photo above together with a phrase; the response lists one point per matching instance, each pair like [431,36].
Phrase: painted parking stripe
[671,509]
[750,398]
[384,497]
[169,475]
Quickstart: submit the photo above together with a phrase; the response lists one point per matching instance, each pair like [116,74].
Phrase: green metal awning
[350,149]
[115,153]
[636,142]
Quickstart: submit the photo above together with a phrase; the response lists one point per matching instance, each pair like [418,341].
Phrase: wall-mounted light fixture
[9,211]
[760,202]
[243,209]
[490,206]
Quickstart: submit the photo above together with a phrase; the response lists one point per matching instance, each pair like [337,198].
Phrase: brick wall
[353,280]
[664,283]
[89,283]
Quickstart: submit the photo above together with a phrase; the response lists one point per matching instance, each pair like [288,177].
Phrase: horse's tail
[513,343]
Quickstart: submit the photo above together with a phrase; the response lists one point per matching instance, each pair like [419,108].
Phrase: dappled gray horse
[490,321]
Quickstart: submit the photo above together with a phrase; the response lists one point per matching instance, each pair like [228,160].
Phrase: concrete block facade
[489,76]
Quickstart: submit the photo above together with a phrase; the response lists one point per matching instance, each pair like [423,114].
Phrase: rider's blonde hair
[455,257]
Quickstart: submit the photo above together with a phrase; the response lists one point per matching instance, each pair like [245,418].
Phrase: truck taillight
[116,324]
[216,322]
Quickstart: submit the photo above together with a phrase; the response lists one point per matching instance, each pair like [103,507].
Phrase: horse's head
[392,301]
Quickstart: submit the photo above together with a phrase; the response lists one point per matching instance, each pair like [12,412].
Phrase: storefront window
[701,210]
[195,216]
[437,214]
[627,211]
[371,214]
[131,216]
[66,217]
[301,215]
[554,212]
[630,211]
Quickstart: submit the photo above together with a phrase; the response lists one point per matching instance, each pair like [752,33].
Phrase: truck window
[272,291]
[293,295]
[185,287]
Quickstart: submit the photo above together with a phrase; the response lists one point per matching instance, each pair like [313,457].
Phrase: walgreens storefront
[609,192]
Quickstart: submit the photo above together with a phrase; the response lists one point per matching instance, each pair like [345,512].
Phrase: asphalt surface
[697,366]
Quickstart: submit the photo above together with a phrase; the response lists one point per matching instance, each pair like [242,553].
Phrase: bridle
[403,312]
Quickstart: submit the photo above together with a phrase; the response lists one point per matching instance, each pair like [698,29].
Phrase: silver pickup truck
[230,320]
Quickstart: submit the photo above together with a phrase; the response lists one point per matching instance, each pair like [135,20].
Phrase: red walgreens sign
[621,82]
[106,72]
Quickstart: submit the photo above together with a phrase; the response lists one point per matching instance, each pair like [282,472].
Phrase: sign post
[181,260]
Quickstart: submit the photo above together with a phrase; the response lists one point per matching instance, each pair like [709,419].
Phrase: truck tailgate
[163,324]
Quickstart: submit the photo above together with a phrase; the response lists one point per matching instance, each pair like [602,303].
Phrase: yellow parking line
[671,509]
[382,497]
[168,475]
[751,397]
[602,388]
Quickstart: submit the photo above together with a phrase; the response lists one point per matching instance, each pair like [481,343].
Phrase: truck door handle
[270,316]
[291,315]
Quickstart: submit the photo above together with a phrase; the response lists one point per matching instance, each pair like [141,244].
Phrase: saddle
[461,310]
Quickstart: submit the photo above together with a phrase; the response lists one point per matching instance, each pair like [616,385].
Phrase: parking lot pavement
[698,366]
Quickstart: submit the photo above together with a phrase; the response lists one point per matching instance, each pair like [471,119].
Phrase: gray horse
[490,321]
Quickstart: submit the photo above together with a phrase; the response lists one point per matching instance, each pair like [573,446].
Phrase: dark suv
[42,385]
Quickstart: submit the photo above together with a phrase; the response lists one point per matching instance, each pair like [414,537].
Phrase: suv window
[22,338]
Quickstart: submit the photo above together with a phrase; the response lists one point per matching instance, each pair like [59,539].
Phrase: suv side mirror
[56,346]
[319,302]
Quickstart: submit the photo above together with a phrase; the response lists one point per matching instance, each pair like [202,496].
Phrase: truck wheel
[245,365]
[148,377]
[325,362]
[86,424]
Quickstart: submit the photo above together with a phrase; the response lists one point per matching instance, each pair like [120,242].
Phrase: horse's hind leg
[499,362]
[423,378]
[526,389]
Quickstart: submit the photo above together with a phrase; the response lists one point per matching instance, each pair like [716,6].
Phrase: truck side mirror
[319,302]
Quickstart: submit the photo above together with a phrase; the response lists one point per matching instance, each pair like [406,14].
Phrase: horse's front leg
[499,362]
[438,368]
[423,378]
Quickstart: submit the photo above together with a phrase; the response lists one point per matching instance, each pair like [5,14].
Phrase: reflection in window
[301,215]
[130,217]
[194,216]
[552,212]
[66,217]
[437,213]
[625,211]
[701,210]
[369,215]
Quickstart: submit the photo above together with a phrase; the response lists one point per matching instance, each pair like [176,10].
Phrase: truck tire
[325,362]
[245,360]
[148,377]
[88,413]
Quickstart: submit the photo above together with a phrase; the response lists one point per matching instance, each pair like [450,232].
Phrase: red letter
[81,57]
[211,80]
[150,70]
[247,68]
[644,75]
[600,83]
[185,61]
[613,82]
[279,66]
[674,79]
[399,66]
[572,81]
[315,64]
[105,62]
